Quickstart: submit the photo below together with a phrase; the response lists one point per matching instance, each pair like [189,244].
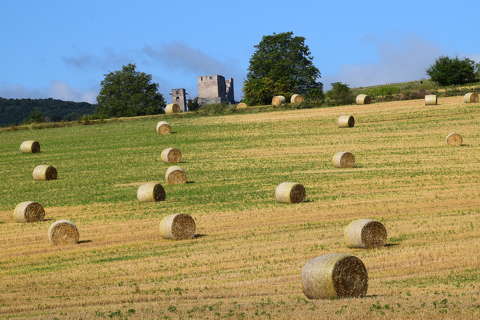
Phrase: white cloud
[57,90]
[402,60]
[107,60]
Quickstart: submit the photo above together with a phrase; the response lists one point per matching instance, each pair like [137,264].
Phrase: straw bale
[296,99]
[365,233]
[471,97]
[175,175]
[290,192]
[242,105]
[44,172]
[63,232]
[28,211]
[334,275]
[171,155]
[454,139]
[346,121]
[278,101]
[151,191]
[30,146]
[177,226]
[431,100]
[172,108]
[343,160]
[363,99]
[163,127]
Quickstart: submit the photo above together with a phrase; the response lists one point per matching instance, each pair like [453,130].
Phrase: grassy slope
[247,264]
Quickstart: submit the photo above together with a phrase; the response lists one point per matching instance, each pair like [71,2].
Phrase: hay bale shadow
[84,241]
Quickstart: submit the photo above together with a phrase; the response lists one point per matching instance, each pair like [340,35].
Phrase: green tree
[281,65]
[35,116]
[127,93]
[339,94]
[449,71]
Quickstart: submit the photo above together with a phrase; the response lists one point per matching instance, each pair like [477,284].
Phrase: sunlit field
[246,260]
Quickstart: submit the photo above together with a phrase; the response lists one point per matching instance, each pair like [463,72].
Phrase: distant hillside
[16,111]
[414,90]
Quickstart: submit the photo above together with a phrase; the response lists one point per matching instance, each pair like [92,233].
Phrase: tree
[339,94]
[129,93]
[449,71]
[35,116]
[281,65]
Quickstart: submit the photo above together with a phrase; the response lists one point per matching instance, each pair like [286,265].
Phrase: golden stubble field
[246,261]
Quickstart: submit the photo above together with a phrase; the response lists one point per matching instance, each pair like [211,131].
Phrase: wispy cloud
[108,59]
[57,90]
[179,56]
[403,60]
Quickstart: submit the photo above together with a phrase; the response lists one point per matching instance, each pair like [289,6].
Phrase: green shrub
[339,94]
[450,71]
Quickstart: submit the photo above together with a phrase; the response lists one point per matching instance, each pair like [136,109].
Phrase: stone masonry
[179,96]
[215,89]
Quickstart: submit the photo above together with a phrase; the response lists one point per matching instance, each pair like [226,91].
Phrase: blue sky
[62,49]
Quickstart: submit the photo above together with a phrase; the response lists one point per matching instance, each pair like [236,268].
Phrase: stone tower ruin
[179,96]
[215,89]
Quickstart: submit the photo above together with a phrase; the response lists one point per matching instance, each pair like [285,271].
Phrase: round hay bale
[278,101]
[30,146]
[454,139]
[63,232]
[28,211]
[365,233]
[290,192]
[343,160]
[175,175]
[363,99]
[163,127]
[172,108]
[346,121]
[44,172]
[242,105]
[431,100]
[334,275]
[171,155]
[151,191]
[177,226]
[470,97]
[296,99]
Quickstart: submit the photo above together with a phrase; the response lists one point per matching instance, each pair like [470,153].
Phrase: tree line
[281,64]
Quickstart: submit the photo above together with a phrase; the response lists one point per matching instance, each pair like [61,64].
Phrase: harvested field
[247,257]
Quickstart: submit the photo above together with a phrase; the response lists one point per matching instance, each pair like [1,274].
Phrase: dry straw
[296,99]
[431,100]
[365,233]
[363,99]
[343,160]
[470,97]
[171,155]
[346,121]
[454,139]
[151,191]
[175,175]
[30,146]
[334,275]
[177,226]
[163,127]
[44,172]
[172,108]
[63,232]
[28,211]
[290,192]
[278,101]
[242,105]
